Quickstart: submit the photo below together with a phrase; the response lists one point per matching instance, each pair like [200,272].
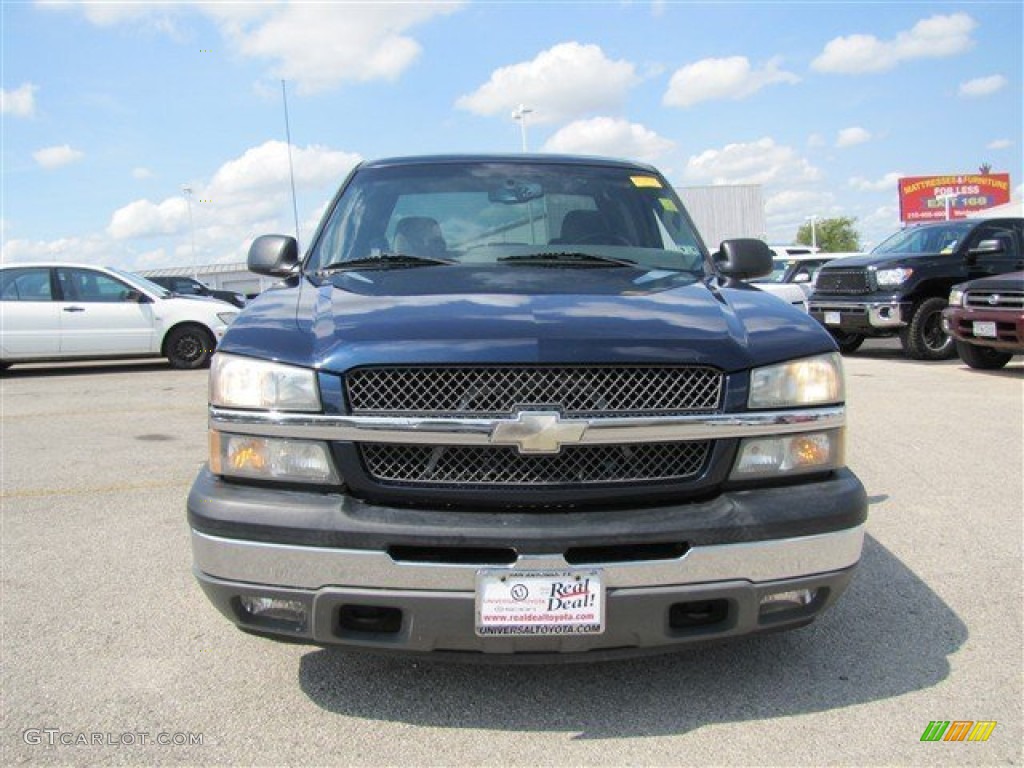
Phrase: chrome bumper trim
[872,309]
[464,431]
[315,567]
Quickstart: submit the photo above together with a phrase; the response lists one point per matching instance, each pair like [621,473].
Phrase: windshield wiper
[577,257]
[384,259]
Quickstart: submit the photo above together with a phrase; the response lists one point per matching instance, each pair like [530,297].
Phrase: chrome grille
[498,390]
[468,466]
[995,300]
[843,281]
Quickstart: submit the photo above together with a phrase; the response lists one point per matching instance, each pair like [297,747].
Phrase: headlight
[243,382]
[890,278]
[810,381]
[789,454]
[956,296]
[226,317]
[264,458]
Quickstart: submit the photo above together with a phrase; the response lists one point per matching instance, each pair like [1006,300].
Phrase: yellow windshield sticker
[668,204]
[645,181]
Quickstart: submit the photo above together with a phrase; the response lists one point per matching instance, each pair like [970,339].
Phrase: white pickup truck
[793,271]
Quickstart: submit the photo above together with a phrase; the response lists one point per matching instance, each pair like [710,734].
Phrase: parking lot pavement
[108,640]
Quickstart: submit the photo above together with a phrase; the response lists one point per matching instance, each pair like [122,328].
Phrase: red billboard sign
[925,198]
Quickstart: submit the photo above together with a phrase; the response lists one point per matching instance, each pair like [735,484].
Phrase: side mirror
[273,255]
[135,297]
[986,247]
[744,258]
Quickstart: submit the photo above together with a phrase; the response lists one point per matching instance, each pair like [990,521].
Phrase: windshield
[937,239]
[503,214]
[140,282]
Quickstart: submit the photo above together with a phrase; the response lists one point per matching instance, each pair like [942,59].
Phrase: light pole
[520,114]
[187,191]
[946,198]
[814,229]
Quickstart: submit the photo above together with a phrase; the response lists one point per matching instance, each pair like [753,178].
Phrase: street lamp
[187,191]
[946,198]
[520,113]
[814,229]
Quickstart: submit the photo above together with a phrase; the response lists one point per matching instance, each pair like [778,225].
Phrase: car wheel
[848,342]
[189,346]
[924,338]
[983,358]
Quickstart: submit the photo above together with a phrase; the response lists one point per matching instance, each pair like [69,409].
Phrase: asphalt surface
[107,638]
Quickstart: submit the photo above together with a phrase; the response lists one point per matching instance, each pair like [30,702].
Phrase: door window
[31,284]
[89,286]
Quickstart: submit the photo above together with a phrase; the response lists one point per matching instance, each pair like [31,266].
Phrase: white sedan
[62,311]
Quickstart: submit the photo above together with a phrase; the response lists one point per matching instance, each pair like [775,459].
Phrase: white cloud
[315,45]
[849,137]
[54,157]
[141,173]
[143,218]
[787,209]
[562,83]
[91,249]
[999,144]
[885,184]
[609,136]
[264,169]
[21,102]
[320,45]
[793,201]
[982,86]
[247,194]
[728,78]
[816,140]
[758,162]
[934,37]
[878,225]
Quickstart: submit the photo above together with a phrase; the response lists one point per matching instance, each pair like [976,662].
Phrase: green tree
[832,235]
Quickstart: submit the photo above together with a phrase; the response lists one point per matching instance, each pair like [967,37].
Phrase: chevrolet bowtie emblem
[538,432]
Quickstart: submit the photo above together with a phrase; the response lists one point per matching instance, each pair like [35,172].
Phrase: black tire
[189,347]
[982,358]
[923,338]
[848,342]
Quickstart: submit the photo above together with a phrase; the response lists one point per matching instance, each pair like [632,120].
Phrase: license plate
[832,318]
[517,603]
[985,329]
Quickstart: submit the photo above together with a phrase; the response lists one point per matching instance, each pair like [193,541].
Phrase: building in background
[724,211]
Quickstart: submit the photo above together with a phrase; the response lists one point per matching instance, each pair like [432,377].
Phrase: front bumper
[864,317]
[333,555]
[959,322]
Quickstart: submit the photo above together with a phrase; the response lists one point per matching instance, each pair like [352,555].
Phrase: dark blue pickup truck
[512,406]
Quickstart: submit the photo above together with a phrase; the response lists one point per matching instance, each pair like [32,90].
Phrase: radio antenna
[291,168]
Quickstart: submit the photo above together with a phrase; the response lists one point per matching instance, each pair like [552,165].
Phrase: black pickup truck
[512,405]
[903,285]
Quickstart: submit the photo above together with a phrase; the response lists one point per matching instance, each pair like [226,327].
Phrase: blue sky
[109,109]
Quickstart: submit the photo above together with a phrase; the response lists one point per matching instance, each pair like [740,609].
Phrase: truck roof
[517,158]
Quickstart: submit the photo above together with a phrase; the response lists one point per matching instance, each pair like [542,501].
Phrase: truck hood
[1011,281]
[522,314]
[883,260]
